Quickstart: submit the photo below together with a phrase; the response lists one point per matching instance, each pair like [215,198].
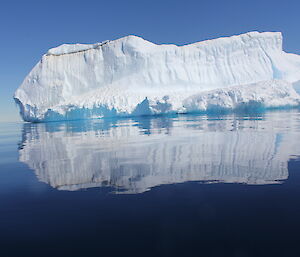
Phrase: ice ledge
[257,97]
[73,48]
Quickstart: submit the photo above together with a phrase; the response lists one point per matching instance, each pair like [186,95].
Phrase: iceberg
[131,76]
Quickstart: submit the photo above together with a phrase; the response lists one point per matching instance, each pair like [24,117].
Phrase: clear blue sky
[28,28]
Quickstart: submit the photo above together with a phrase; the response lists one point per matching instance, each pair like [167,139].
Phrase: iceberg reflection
[134,155]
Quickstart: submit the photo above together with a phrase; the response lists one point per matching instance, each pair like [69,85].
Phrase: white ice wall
[121,73]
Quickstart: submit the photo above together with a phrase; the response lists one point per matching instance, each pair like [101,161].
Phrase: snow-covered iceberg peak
[132,76]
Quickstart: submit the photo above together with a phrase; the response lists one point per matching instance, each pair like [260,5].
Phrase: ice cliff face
[131,76]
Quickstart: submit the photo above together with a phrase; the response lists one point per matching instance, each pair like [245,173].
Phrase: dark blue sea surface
[186,185]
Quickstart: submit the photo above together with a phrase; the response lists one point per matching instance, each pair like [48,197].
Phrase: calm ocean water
[187,185]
